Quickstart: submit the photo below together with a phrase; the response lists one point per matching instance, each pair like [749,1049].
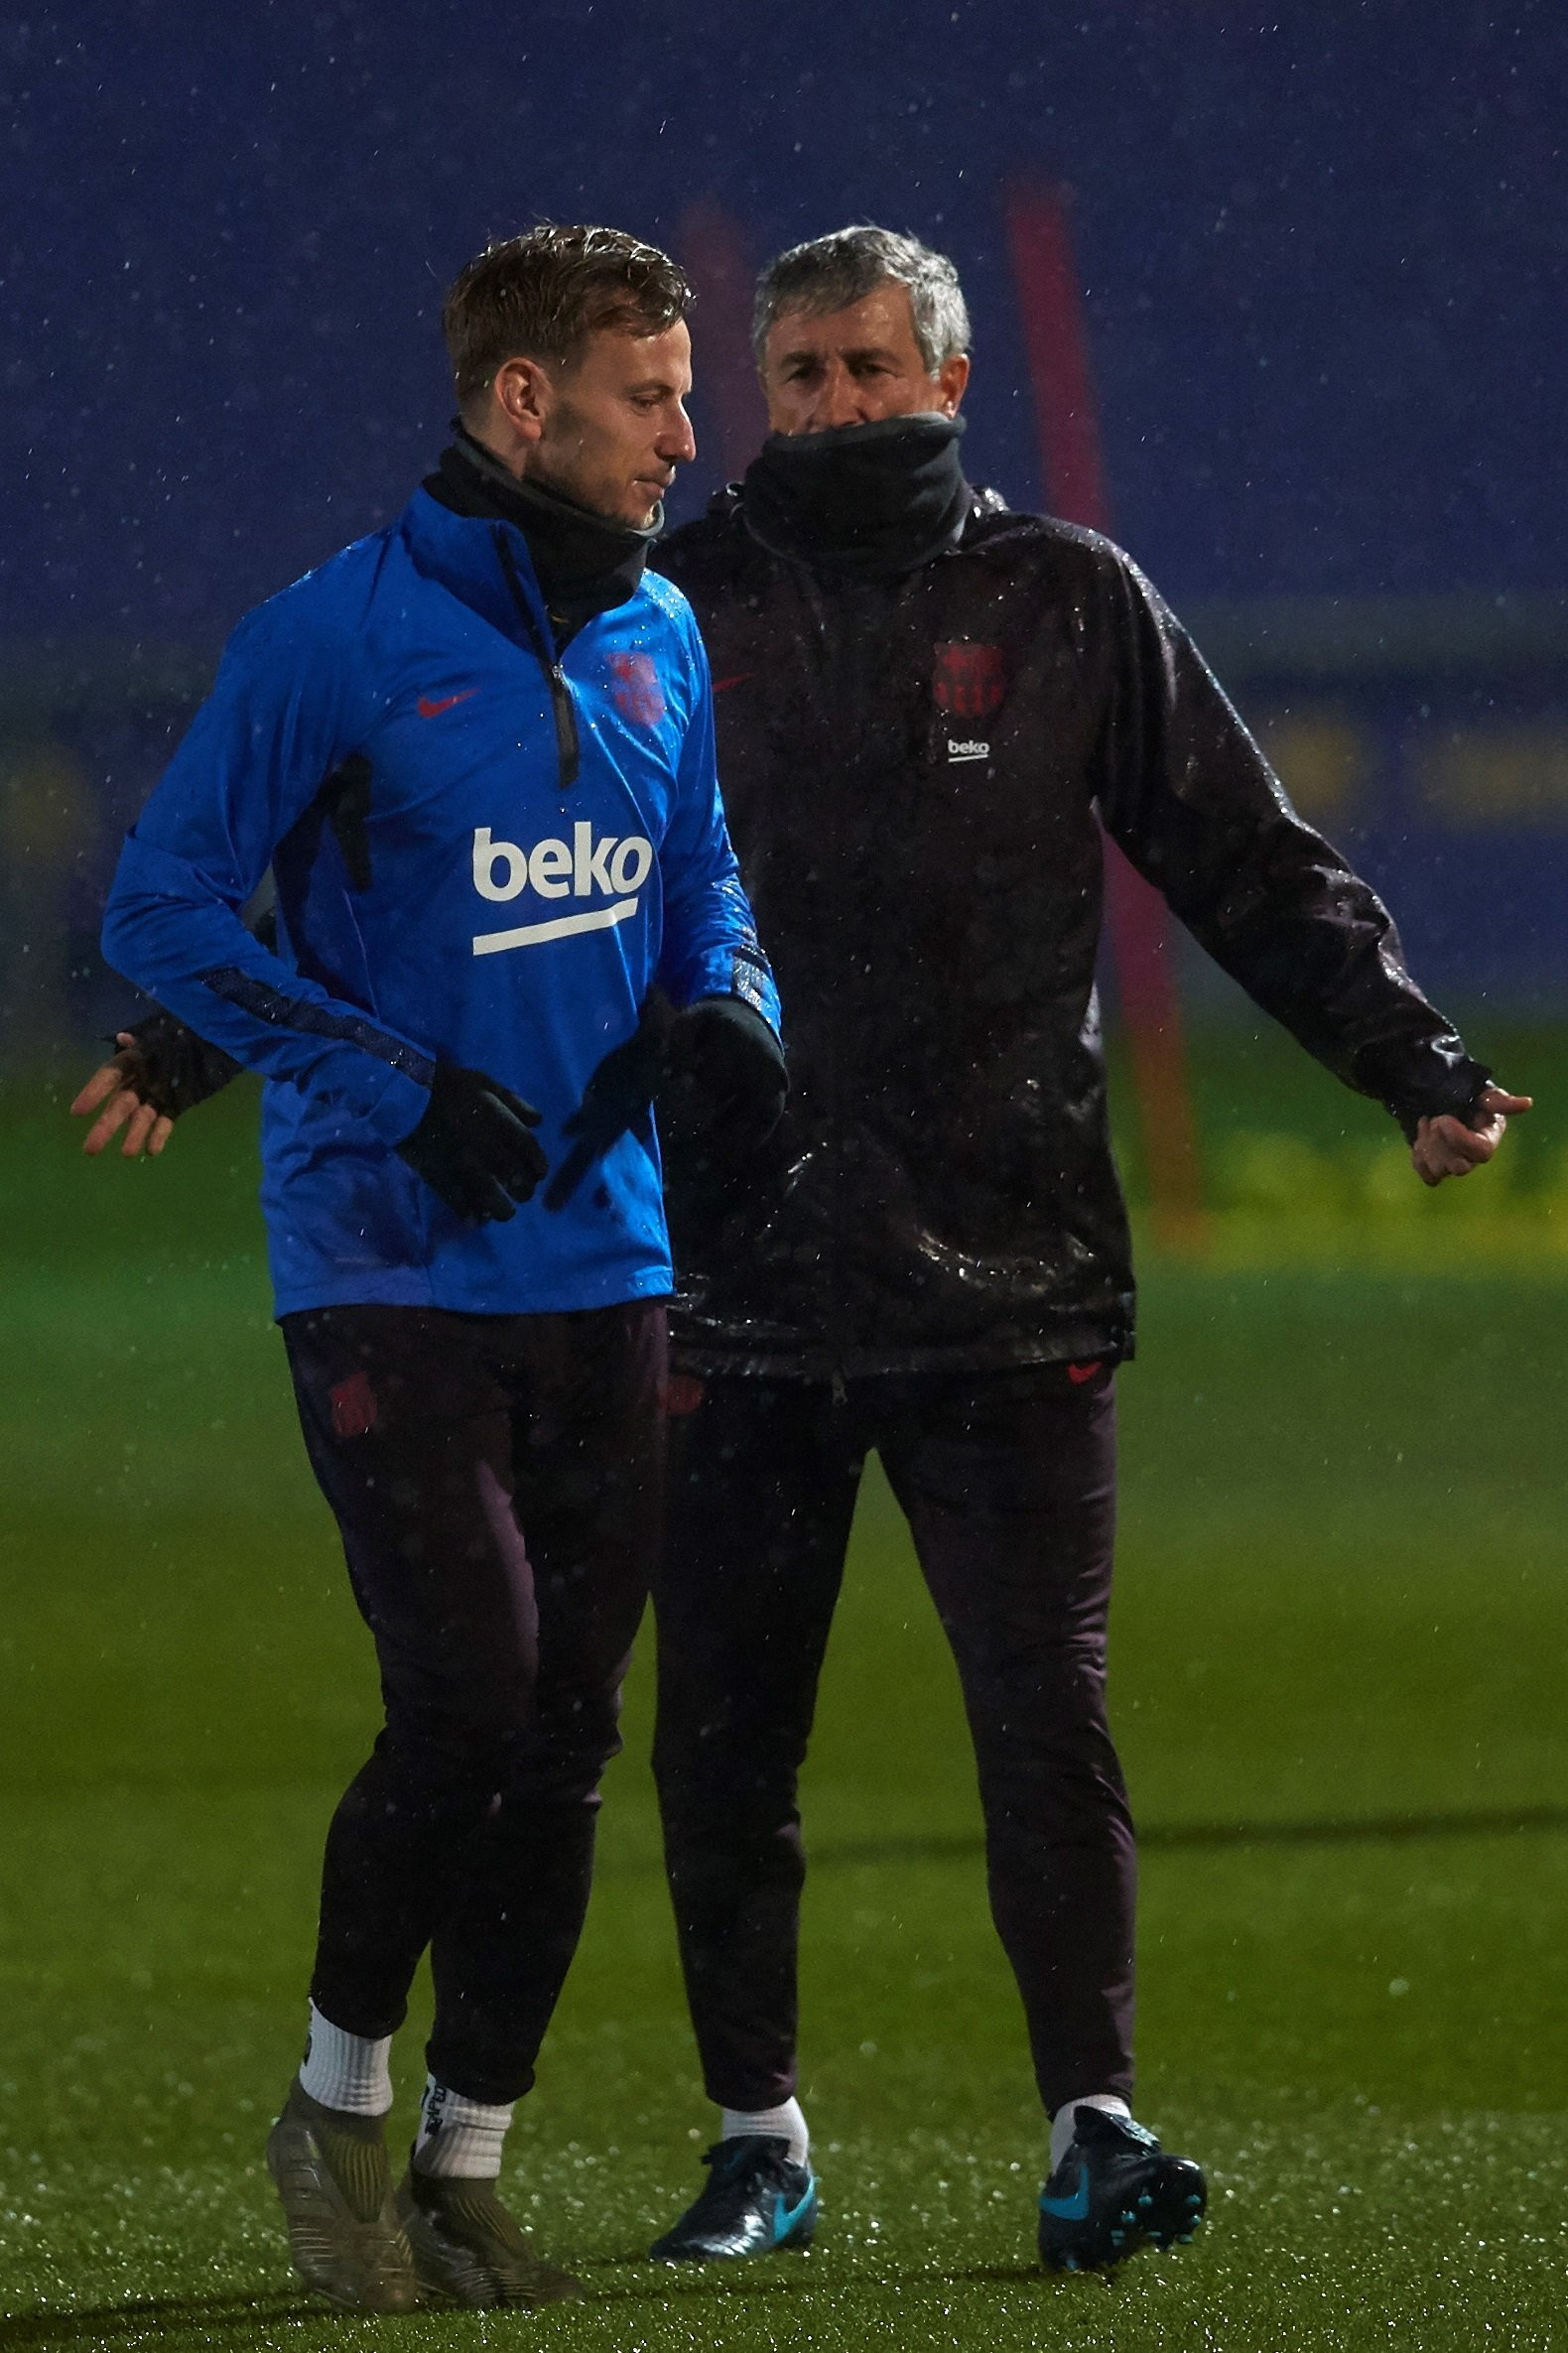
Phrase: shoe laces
[742,2153]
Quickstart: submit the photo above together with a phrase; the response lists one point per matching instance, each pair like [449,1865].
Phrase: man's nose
[840,403]
[678,442]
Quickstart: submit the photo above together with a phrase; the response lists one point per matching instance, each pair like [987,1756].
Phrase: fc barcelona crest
[968,681]
[634,683]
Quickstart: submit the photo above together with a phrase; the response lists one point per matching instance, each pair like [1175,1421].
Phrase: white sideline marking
[529,935]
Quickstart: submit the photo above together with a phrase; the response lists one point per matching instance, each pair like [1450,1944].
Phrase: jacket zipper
[837,634]
[569,750]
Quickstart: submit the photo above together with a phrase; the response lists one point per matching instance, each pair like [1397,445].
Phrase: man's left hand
[723,1084]
[1446,1146]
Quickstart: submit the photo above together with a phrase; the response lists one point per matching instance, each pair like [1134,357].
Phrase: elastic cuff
[1471,1081]
[398,1110]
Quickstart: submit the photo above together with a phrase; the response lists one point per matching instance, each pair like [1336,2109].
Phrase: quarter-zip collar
[488,566]
[585,564]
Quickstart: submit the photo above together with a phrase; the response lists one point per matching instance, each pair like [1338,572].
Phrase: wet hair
[541,294]
[831,272]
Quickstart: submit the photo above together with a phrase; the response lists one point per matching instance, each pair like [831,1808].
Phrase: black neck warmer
[586,563]
[866,501]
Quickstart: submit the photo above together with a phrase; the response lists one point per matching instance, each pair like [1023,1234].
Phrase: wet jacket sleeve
[710,946]
[280,717]
[1185,791]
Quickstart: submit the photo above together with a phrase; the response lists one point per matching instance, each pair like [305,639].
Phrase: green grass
[1339,1667]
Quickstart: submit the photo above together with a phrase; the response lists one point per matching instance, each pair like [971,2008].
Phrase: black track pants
[1007,1481]
[498,1483]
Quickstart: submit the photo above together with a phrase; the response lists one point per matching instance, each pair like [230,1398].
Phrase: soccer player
[476,752]
[924,701]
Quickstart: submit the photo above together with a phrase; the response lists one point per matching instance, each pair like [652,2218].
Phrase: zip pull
[569,750]
[836,1388]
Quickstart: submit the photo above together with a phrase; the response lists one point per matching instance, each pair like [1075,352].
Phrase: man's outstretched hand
[115,1093]
[1447,1147]
[161,1070]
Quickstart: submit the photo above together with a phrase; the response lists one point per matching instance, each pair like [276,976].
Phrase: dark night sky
[1324,250]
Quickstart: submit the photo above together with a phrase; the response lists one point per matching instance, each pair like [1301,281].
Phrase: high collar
[586,564]
[866,501]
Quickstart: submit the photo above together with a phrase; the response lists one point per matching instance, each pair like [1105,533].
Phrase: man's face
[853,366]
[613,424]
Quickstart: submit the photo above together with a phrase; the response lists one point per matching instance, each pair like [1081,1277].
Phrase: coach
[477,751]
[925,704]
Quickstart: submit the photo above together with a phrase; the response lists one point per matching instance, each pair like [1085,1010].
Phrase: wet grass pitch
[1338,1673]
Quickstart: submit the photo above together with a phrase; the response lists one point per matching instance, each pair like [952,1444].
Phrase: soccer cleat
[335,2185]
[757,2200]
[1116,2192]
[471,2249]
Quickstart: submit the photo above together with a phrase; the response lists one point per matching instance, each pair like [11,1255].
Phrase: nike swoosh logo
[739,680]
[1073,2209]
[785,2217]
[429,710]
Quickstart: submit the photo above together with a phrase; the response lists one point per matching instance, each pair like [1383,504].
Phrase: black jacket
[912,769]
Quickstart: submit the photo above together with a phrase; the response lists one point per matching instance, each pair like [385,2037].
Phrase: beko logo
[582,868]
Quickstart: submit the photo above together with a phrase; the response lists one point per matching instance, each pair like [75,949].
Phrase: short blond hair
[540,295]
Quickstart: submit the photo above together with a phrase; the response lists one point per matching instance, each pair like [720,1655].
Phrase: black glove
[618,1098]
[474,1145]
[169,1067]
[724,1084]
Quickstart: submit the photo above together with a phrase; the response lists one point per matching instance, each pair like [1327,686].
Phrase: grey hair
[828,273]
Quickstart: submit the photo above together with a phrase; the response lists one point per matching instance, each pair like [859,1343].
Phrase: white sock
[1062,2122]
[781,2124]
[459,2140]
[348,2071]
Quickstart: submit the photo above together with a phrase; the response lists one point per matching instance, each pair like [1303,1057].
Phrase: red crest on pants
[681,1395]
[968,681]
[353,1406]
[636,689]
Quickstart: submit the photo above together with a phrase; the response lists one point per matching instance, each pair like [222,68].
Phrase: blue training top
[485,853]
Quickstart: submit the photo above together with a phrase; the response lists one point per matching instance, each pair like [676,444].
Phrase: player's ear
[522,393]
[952,377]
